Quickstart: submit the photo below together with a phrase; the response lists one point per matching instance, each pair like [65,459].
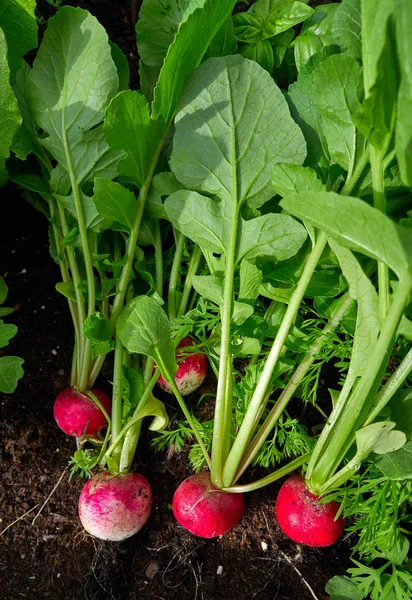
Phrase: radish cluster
[76,414]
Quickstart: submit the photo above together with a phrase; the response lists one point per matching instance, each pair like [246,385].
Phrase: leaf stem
[117,393]
[191,272]
[175,273]
[292,385]
[249,422]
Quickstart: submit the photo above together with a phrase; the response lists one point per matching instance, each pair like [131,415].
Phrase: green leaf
[144,328]
[10,118]
[229,123]
[347,29]
[276,293]
[66,289]
[97,329]
[380,438]
[18,21]
[324,283]
[25,141]
[162,185]
[248,27]
[201,219]
[354,224]
[289,178]
[341,587]
[72,81]
[307,44]
[114,202]
[4,290]
[340,79]
[396,465]
[184,55]
[5,311]
[210,287]
[375,119]
[241,312]
[31,182]
[262,53]
[10,373]
[404,112]
[250,281]
[157,26]
[122,66]
[401,411]
[92,219]
[274,235]
[280,15]
[374,20]
[125,126]
[224,42]
[7,331]
[280,45]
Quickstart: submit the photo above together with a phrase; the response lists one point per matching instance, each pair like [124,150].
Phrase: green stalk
[339,433]
[175,273]
[191,272]
[75,275]
[117,439]
[291,387]
[250,487]
[171,380]
[391,387]
[223,404]
[158,259]
[117,394]
[84,367]
[379,201]
[249,422]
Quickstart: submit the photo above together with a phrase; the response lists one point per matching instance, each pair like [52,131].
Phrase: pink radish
[191,372]
[77,414]
[304,520]
[205,510]
[115,507]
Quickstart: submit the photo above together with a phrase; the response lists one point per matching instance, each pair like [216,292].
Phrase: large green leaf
[289,178]
[347,29]
[233,126]
[18,21]
[144,328]
[374,18]
[184,54]
[71,83]
[404,112]
[280,16]
[157,25]
[354,224]
[396,465]
[340,79]
[10,118]
[125,126]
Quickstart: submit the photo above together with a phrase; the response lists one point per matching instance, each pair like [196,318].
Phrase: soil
[44,552]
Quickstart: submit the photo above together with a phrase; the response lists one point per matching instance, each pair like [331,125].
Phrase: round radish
[76,413]
[304,520]
[205,510]
[115,507]
[191,371]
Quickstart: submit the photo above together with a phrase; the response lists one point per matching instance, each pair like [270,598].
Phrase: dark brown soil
[52,557]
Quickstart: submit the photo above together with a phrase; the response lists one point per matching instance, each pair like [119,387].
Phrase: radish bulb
[115,507]
[191,371]
[76,413]
[205,510]
[304,520]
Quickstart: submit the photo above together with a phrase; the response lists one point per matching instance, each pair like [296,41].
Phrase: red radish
[304,520]
[77,414]
[205,510]
[191,372]
[115,507]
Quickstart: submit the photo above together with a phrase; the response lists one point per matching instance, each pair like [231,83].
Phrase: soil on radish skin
[52,558]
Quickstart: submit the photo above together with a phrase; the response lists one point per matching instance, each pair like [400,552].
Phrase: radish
[203,509]
[191,371]
[76,414]
[115,507]
[304,520]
